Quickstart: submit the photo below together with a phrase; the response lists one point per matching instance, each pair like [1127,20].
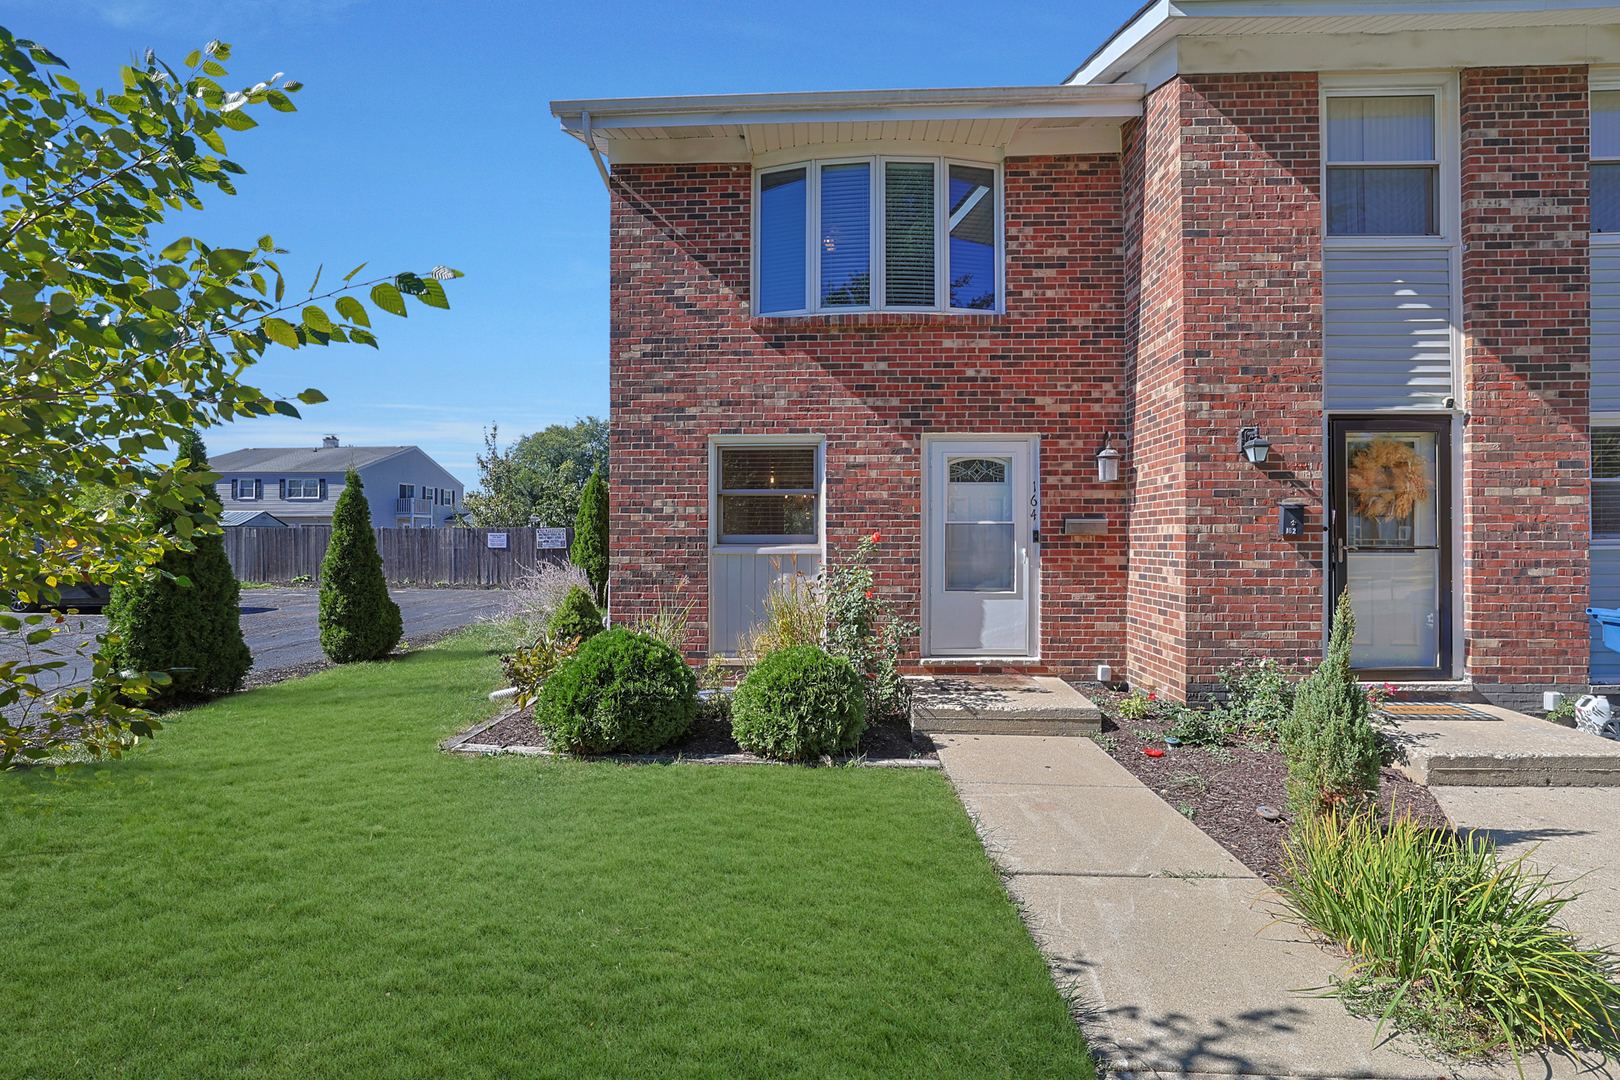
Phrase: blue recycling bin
[1609,619]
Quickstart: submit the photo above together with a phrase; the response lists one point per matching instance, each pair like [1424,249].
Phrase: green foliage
[1447,940]
[1332,749]
[1139,705]
[114,349]
[1259,696]
[798,704]
[668,622]
[358,619]
[590,550]
[184,618]
[863,629]
[1199,727]
[623,693]
[528,666]
[581,448]
[795,614]
[576,617]
[513,493]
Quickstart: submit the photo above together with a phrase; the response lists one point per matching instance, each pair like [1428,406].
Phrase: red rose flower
[877,538]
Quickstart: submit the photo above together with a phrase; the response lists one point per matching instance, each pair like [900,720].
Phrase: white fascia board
[988,103]
[1411,50]
[1124,54]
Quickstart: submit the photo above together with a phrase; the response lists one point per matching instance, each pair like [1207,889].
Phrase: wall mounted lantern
[1108,461]
[1253,445]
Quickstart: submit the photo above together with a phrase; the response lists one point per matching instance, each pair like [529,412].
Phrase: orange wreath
[1386,477]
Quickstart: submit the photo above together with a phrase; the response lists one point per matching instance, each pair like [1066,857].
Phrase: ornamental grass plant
[1447,941]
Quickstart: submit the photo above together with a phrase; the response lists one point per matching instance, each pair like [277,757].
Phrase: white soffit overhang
[984,123]
[1212,36]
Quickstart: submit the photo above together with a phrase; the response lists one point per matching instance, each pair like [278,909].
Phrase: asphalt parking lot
[281,628]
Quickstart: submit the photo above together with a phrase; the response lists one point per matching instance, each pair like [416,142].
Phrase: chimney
[329,443]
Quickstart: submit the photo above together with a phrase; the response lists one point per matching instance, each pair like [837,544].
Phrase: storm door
[1390,542]
[978,552]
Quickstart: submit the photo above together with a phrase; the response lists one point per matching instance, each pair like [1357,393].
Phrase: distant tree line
[539,479]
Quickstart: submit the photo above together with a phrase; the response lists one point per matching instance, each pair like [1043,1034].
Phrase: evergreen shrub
[1332,748]
[358,619]
[621,693]
[576,617]
[590,547]
[193,631]
[799,703]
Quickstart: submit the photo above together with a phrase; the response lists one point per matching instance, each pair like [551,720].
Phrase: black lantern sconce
[1253,445]
[1108,461]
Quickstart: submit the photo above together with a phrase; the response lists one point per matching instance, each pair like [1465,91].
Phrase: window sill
[898,320]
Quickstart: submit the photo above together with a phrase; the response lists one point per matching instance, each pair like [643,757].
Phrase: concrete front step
[1000,705]
[1513,751]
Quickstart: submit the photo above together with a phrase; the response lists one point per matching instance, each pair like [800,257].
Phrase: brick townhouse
[1264,302]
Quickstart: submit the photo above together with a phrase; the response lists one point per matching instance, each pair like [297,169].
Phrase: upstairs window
[407,491]
[1606,483]
[878,234]
[1606,161]
[1382,166]
[247,490]
[768,495]
[303,489]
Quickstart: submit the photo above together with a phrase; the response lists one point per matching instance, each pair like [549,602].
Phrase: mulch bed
[711,738]
[1221,788]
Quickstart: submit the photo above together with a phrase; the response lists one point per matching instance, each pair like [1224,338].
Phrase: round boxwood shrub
[799,703]
[576,617]
[622,693]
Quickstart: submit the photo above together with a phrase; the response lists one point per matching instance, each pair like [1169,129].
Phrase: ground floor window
[768,495]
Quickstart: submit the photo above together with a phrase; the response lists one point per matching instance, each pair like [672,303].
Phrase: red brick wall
[1526,326]
[689,362]
[1229,273]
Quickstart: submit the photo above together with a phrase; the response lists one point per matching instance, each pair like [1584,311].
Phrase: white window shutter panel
[1387,329]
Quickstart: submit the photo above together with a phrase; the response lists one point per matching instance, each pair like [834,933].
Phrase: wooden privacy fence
[418,556]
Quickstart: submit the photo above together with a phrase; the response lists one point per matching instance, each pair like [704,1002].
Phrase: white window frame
[251,487]
[1447,138]
[1601,80]
[812,226]
[716,442]
[303,483]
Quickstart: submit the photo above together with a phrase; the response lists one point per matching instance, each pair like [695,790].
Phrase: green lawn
[293,882]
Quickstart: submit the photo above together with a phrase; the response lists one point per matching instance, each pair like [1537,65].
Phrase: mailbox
[1291,520]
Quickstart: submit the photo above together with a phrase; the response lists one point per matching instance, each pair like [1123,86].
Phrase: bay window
[1606,161]
[1382,166]
[891,234]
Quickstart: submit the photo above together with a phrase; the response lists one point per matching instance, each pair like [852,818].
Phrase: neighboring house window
[878,234]
[248,490]
[1606,161]
[1382,166]
[407,491]
[303,489]
[1606,483]
[768,495]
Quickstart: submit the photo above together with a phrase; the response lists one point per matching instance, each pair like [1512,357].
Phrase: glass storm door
[1390,542]
[978,551]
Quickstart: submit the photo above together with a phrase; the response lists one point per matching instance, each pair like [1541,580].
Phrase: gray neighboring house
[300,485]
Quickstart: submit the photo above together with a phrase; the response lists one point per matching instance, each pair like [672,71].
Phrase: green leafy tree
[358,619]
[590,550]
[184,617]
[112,348]
[512,493]
[1332,749]
[583,446]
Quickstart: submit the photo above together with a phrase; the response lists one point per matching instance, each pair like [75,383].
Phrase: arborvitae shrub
[576,616]
[799,703]
[358,620]
[1332,748]
[622,693]
[590,548]
[161,625]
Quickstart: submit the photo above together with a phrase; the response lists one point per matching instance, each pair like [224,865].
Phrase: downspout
[596,155]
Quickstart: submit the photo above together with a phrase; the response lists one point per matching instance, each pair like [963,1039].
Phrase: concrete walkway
[1176,959]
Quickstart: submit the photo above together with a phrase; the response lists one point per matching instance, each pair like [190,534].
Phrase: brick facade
[1173,293]
[689,362]
[1526,452]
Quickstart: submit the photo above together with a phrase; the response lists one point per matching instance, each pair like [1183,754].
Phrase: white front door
[980,501]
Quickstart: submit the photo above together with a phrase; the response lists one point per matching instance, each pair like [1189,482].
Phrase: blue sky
[423,136]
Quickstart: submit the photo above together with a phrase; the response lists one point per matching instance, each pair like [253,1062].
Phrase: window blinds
[908,233]
[846,237]
[1606,174]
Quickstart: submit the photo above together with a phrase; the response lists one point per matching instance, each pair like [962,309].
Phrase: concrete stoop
[1000,705]
[1513,750]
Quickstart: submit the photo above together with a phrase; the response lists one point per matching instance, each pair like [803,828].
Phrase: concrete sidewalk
[1177,960]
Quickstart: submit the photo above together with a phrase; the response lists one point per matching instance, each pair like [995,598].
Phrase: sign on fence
[495,540]
[550,539]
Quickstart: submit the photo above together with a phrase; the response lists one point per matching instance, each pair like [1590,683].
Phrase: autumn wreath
[1386,478]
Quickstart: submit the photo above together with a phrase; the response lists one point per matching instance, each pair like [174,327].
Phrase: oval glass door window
[979,542]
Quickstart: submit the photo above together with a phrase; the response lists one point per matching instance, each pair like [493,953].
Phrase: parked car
[81,596]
